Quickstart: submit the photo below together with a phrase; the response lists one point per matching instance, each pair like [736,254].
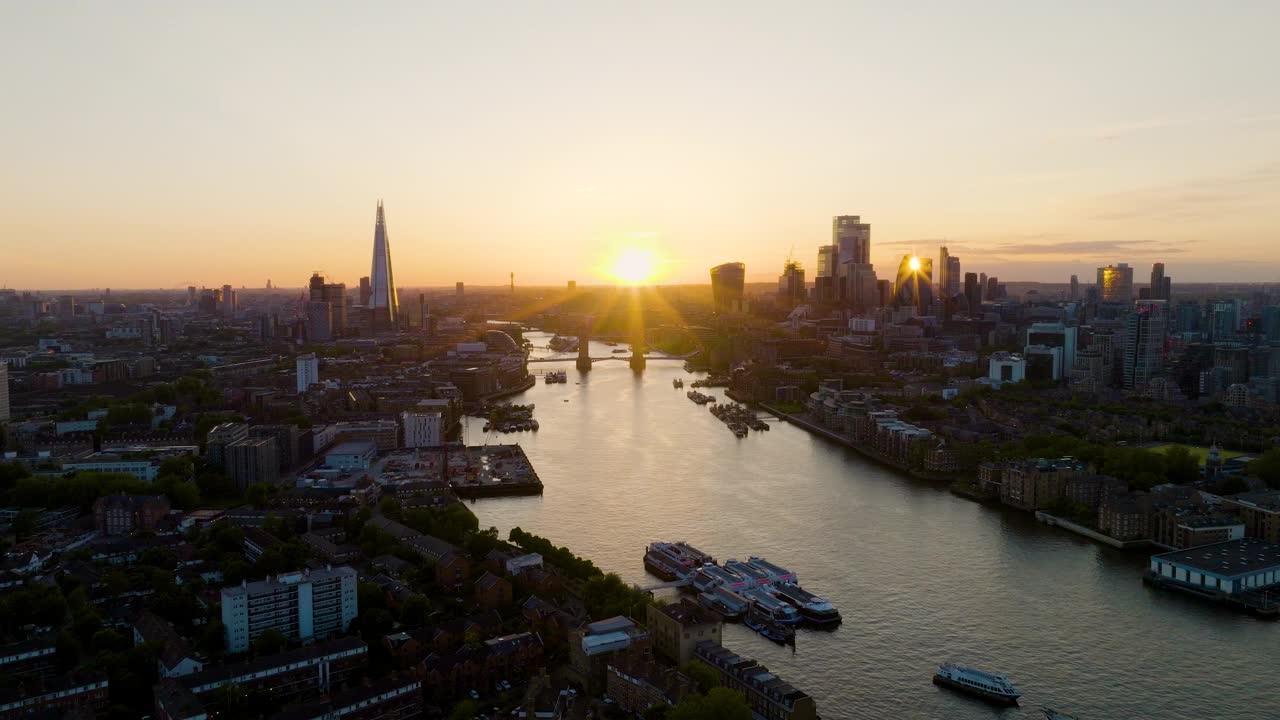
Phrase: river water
[919,575]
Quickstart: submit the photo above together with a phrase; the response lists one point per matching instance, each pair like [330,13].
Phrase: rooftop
[1228,559]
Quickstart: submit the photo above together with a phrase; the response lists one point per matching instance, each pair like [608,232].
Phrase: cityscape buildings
[383,299]
[914,284]
[791,287]
[727,283]
[302,606]
[1144,341]
[308,371]
[1115,283]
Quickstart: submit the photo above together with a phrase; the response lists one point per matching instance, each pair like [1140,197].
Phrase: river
[919,575]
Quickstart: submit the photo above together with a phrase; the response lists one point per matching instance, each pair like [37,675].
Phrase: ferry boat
[775,573]
[674,560]
[812,608]
[754,575]
[677,383]
[770,607]
[1051,714]
[561,343]
[992,688]
[723,601]
[711,575]
[770,629]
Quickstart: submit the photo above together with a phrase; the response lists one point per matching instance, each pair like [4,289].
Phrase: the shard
[382,297]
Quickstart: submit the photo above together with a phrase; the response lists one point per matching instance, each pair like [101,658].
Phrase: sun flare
[634,266]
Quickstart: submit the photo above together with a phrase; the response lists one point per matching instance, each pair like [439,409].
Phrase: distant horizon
[167,145]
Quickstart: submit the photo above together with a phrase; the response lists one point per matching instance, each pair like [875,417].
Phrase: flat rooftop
[1228,559]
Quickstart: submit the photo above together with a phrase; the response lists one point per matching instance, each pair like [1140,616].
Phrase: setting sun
[634,266]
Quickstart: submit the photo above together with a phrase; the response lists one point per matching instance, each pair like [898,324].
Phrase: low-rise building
[1260,512]
[593,646]
[768,695]
[357,455]
[678,628]
[123,514]
[1231,568]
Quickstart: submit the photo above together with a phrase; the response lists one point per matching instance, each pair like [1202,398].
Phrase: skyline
[177,146]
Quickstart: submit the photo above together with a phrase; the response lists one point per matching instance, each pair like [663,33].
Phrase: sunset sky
[167,144]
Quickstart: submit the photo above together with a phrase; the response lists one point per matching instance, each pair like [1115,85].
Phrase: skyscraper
[824,284]
[914,285]
[1115,284]
[972,292]
[1075,288]
[366,291]
[727,283]
[1157,282]
[852,239]
[382,285]
[791,287]
[1144,336]
[948,274]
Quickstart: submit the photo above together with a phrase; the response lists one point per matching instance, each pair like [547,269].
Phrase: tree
[270,642]
[702,674]
[24,523]
[1180,466]
[465,710]
[257,494]
[390,507]
[718,704]
[115,583]
[184,496]
[1267,468]
[415,611]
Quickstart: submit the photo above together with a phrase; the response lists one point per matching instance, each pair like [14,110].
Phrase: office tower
[972,292]
[824,284]
[1115,284]
[191,295]
[1225,321]
[573,285]
[1058,337]
[884,292]
[336,295]
[1144,337]
[993,288]
[216,442]
[252,461]
[4,392]
[424,311]
[827,260]
[268,283]
[948,274]
[727,283]
[319,321]
[914,285]
[1166,290]
[1271,324]
[382,285]
[228,307]
[366,290]
[1074,294]
[458,290]
[982,285]
[421,429]
[303,606]
[791,287]
[1187,317]
[852,239]
[1157,282]
[308,367]
[863,292]
[66,307]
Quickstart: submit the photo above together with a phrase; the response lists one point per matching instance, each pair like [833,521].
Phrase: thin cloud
[1083,247]
[1193,199]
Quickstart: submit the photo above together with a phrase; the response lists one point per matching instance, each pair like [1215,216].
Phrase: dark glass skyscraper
[914,285]
[382,286]
[727,283]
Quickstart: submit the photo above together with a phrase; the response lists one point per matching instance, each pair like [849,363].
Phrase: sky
[166,144]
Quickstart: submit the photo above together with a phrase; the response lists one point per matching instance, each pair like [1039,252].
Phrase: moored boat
[811,607]
[770,607]
[674,560]
[988,686]
[727,603]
